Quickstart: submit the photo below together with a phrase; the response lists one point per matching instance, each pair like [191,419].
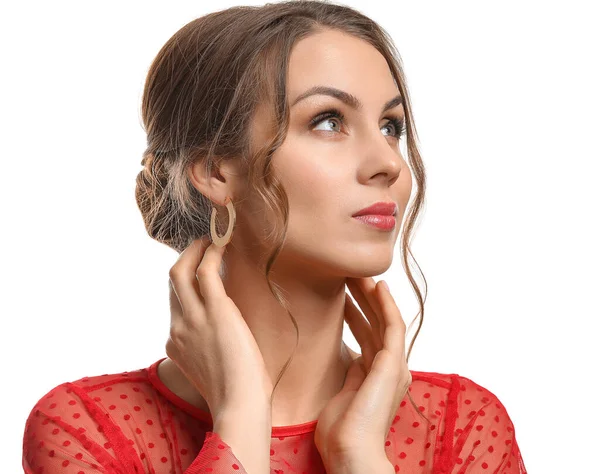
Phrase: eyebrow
[346,98]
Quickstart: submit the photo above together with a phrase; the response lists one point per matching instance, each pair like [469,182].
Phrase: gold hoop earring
[225,239]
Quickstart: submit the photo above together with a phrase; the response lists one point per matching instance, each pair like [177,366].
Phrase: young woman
[286,119]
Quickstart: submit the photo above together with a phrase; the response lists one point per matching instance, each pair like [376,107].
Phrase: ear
[223,180]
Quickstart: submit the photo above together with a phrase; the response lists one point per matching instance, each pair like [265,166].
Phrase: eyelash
[399,125]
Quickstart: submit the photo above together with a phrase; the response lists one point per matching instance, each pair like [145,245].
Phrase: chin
[368,265]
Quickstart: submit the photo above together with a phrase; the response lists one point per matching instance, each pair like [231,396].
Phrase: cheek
[307,171]
[315,185]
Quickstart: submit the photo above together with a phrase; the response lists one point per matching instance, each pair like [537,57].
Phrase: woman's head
[329,168]
[223,119]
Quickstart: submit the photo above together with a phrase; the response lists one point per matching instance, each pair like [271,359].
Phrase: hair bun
[148,160]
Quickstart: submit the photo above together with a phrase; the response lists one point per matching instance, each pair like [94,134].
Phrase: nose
[382,159]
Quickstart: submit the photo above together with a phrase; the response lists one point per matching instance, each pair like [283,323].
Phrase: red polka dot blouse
[131,422]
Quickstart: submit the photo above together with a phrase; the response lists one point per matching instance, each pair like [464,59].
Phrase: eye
[399,127]
[331,114]
[327,115]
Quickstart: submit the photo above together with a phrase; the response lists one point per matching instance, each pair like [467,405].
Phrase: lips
[378,209]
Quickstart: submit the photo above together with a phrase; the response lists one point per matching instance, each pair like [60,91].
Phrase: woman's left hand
[354,424]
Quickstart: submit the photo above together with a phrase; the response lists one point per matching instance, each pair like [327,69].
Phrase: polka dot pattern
[132,423]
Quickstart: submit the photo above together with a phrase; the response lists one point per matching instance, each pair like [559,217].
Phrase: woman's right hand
[209,339]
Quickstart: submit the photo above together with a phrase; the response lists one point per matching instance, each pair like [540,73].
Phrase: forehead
[337,59]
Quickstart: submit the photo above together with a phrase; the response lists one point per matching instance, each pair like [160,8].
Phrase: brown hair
[200,96]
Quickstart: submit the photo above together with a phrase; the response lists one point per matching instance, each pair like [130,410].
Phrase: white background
[506,104]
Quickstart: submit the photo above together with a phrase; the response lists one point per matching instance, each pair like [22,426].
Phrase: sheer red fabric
[131,422]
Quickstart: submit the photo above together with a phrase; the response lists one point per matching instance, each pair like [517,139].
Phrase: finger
[210,283]
[370,290]
[395,343]
[182,276]
[361,290]
[361,330]
[354,376]
[174,304]
[395,328]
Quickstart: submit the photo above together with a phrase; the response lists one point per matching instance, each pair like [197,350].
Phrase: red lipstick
[380,215]
[378,209]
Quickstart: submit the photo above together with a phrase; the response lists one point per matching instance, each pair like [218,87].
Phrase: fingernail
[385,284]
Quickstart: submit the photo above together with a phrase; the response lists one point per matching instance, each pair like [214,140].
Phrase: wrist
[257,413]
[249,405]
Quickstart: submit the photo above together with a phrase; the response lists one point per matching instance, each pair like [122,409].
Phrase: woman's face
[335,167]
